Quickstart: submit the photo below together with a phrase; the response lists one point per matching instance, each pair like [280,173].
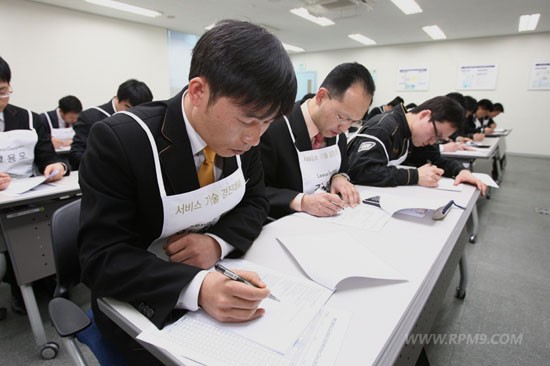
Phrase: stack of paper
[287,334]
[328,266]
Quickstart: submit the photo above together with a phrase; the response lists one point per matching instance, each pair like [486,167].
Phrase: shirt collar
[61,121]
[197,143]
[312,129]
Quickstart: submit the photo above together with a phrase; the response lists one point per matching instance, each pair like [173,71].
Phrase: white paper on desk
[19,186]
[486,178]
[363,217]
[330,257]
[448,184]
[189,339]
[283,321]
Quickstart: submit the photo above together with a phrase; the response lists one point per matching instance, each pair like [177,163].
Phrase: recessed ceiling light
[292,48]
[528,22]
[407,6]
[434,31]
[126,7]
[362,39]
[304,13]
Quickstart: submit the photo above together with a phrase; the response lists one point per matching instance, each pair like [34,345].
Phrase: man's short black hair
[70,103]
[5,71]
[247,64]
[443,109]
[485,104]
[498,107]
[457,97]
[135,92]
[396,101]
[343,76]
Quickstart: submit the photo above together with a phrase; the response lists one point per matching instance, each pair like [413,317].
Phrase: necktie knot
[318,142]
[206,170]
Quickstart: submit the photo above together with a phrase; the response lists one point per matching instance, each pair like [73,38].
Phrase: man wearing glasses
[304,155]
[408,138]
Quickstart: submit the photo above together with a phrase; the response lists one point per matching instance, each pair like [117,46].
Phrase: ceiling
[379,20]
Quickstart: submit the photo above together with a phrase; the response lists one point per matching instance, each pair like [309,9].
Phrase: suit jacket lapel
[175,153]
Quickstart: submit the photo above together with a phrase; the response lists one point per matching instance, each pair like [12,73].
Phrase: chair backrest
[65,225]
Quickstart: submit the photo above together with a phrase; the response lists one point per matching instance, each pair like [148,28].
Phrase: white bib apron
[17,151]
[195,210]
[62,133]
[317,166]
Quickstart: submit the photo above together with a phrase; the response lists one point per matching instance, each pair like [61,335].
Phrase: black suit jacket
[122,212]
[16,118]
[53,119]
[283,178]
[82,129]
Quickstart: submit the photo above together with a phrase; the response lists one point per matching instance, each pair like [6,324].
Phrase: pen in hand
[232,275]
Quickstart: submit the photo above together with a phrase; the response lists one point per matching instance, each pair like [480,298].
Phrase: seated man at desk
[61,120]
[154,218]
[129,94]
[407,138]
[25,143]
[304,155]
[488,122]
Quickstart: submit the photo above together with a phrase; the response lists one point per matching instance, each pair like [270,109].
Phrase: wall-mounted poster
[477,77]
[540,76]
[410,79]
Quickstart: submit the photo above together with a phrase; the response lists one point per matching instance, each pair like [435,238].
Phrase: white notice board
[539,79]
[477,77]
[413,78]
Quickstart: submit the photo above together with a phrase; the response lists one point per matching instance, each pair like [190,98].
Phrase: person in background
[411,106]
[171,187]
[488,122]
[304,156]
[385,108]
[129,94]
[25,146]
[451,144]
[60,121]
[407,138]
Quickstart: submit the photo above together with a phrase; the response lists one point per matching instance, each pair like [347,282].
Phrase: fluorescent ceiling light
[290,47]
[434,31]
[407,6]
[528,22]
[126,7]
[302,12]
[361,39]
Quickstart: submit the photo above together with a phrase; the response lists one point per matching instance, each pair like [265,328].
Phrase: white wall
[54,52]
[525,110]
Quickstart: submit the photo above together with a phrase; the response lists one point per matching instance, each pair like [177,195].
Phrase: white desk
[384,313]
[25,223]
[478,153]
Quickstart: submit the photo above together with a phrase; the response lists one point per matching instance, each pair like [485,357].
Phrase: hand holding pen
[229,300]
[429,175]
[232,275]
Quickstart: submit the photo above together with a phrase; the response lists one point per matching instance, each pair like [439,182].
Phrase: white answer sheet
[448,184]
[20,186]
[363,217]
[486,178]
[283,321]
[330,257]
[192,339]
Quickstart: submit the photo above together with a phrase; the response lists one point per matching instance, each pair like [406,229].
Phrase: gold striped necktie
[206,170]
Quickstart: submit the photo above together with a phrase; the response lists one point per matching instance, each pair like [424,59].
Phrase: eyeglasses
[345,121]
[438,135]
[5,92]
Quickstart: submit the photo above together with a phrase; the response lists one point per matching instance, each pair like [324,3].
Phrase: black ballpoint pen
[232,275]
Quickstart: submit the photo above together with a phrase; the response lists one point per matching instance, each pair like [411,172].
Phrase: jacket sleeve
[280,178]
[81,132]
[421,155]
[44,152]
[368,163]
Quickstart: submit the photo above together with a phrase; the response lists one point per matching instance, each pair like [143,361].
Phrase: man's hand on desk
[322,204]
[60,168]
[456,146]
[5,180]
[197,250]
[340,185]
[429,175]
[232,301]
[466,176]
[479,136]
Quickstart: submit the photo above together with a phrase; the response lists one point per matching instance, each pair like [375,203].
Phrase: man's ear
[321,94]
[425,115]
[198,91]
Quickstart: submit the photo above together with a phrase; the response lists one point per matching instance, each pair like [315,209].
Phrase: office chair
[69,320]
